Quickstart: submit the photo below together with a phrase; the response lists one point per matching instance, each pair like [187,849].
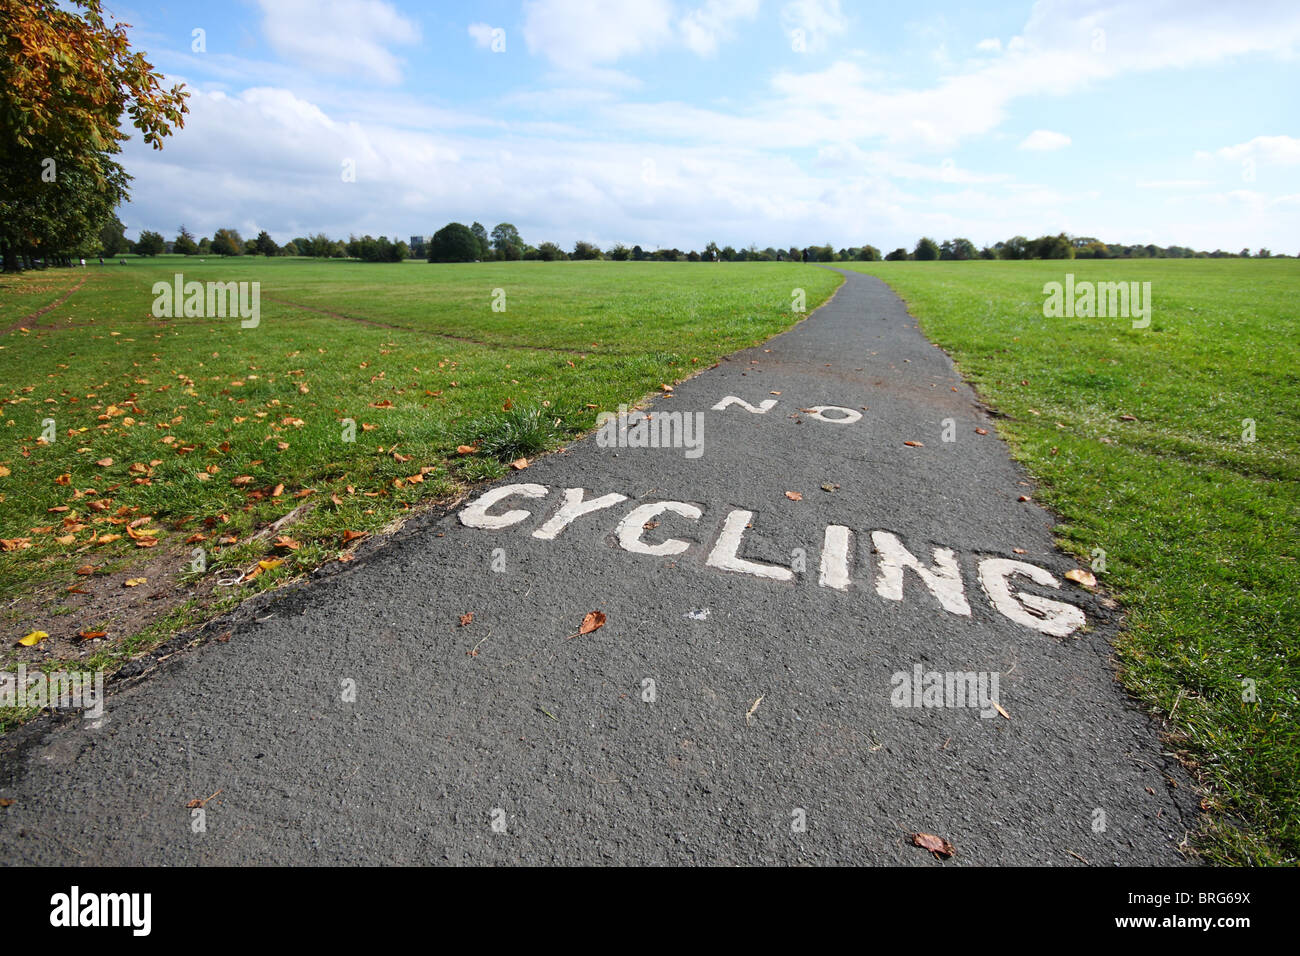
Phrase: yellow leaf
[1081,577]
[135,582]
[34,638]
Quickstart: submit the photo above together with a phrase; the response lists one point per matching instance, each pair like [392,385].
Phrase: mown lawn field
[177,441]
[1141,440]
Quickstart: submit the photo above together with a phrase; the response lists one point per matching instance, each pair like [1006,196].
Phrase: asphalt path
[819,640]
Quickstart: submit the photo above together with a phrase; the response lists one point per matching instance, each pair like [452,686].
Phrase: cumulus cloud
[705,28]
[482,34]
[347,37]
[1045,140]
[581,33]
[1272,150]
[811,24]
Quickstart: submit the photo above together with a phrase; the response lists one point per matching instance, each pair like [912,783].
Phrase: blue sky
[774,122]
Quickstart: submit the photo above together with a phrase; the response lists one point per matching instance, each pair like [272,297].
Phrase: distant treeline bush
[456,242]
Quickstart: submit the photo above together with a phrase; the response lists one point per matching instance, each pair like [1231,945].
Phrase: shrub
[453,243]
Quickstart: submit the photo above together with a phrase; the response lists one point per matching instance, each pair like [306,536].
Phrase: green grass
[1199,526]
[216,417]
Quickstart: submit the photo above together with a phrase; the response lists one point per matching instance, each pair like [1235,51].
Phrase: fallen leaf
[349,536]
[134,582]
[519,464]
[91,635]
[1128,418]
[5,473]
[981,431]
[286,542]
[593,621]
[936,845]
[753,708]
[794,496]
[1080,576]
[1024,498]
[104,462]
[86,570]
[278,490]
[464,449]
[465,619]
[32,639]
[914,444]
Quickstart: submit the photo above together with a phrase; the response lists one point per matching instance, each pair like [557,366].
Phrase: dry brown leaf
[91,635]
[349,536]
[981,431]
[465,619]
[914,444]
[794,496]
[940,847]
[465,449]
[104,462]
[593,621]
[519,464]
[1079,576]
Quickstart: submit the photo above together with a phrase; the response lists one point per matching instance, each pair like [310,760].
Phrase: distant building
[416,241]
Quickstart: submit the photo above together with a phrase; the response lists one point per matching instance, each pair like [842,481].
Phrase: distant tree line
[456,242]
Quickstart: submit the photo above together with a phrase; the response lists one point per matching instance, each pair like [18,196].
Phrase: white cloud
[578,33]
[705,28]
[991,45]
[1045,139]
[482,34]
[339,36]
[813,22]
[1273,150]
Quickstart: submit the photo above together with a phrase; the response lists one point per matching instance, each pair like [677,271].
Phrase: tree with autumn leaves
[67,75]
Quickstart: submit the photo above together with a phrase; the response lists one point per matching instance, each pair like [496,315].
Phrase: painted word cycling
[942,578]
